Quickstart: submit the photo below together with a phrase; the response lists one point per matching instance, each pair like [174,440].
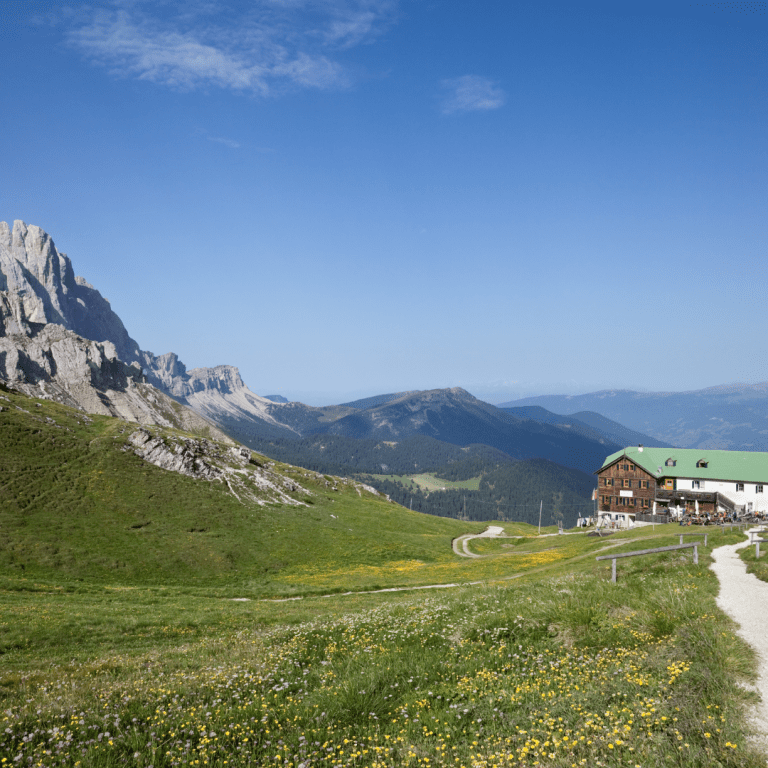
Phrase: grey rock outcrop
[167,372]
[60,365]
[187,457]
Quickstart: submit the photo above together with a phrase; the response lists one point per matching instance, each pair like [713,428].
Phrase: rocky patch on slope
[247,479]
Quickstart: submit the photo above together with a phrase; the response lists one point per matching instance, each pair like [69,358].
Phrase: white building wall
[749,495]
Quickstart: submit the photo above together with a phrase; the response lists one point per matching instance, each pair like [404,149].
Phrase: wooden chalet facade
[624,486]
[674,481]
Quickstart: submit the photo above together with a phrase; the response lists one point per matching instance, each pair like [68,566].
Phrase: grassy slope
[559,668]
[757,566]
[74,505]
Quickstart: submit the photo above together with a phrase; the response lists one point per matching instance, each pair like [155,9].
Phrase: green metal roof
[742,466]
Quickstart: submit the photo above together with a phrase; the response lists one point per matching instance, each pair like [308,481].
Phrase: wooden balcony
[680,498]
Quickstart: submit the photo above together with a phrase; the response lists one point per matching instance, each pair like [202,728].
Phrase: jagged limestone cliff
[39,287]
[59,338]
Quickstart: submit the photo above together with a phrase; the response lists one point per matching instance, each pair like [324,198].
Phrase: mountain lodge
[638,483]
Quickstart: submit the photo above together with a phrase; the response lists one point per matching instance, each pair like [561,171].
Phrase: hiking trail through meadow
[744,597]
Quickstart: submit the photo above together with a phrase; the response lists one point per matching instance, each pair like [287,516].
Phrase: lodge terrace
[643,485]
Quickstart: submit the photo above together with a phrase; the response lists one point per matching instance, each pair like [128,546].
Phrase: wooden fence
[614,557]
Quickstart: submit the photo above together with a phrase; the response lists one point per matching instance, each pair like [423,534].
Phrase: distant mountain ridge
[728,417]
[372,402]
[451,416]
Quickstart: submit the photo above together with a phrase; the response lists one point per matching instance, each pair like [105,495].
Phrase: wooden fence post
[696,554]
[613,569]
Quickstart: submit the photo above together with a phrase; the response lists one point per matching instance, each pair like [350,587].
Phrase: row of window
[669,483]
[698,485]
[626,483]
[623,501]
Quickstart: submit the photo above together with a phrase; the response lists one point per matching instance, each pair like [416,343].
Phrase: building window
[671,463]
[739,487]
[696,485]
[631,467]
[758,489]
[627,483]
[702,464]
[608,480]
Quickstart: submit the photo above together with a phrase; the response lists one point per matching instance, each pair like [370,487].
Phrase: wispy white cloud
[274,45]
[231,143]
[470,93]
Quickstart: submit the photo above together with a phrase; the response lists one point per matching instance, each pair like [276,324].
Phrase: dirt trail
[743,597]
[491,532]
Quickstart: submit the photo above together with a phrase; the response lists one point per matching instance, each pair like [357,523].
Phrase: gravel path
[744,597]
[492,532]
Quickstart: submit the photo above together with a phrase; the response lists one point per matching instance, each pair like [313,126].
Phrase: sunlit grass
[556,671]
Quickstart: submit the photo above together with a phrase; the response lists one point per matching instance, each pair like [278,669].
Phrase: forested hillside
[509,491]
[341,455]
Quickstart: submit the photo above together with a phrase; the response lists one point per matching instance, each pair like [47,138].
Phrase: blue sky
[348,197]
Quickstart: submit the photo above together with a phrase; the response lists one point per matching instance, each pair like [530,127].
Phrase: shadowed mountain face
[454,416]
[731,417]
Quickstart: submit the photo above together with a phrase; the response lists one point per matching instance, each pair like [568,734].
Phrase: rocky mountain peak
[461,392]
[224,378]
[168,373]
[35,272]
[41,288]
[58,332]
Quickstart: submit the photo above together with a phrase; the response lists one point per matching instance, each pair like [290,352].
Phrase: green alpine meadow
[253,613]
